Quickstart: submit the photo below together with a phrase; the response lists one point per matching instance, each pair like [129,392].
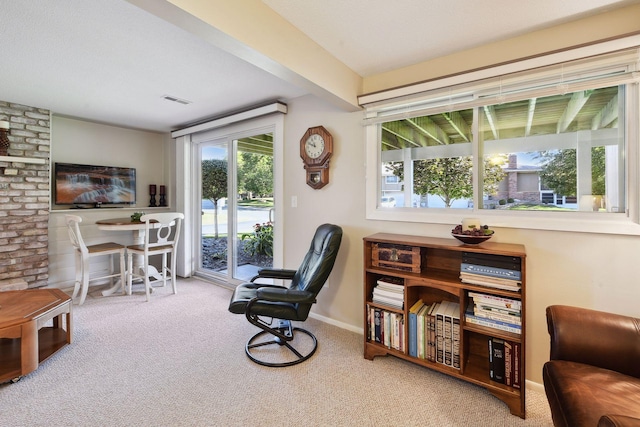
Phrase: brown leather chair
[593,377]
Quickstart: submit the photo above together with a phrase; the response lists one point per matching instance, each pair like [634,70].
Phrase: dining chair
[162,232]
[83,254]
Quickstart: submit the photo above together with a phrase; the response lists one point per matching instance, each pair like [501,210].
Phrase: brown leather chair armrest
[596,338]
[618,421]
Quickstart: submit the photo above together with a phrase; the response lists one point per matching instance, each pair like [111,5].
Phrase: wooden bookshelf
[439,280]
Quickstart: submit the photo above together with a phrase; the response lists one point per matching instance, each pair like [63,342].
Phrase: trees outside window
[214,184]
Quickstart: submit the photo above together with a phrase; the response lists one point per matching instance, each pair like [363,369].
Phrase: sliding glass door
[237,205]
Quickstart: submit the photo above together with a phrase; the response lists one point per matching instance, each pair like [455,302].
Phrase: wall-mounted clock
[316,148]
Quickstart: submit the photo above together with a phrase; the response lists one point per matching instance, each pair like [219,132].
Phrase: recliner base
[285,329]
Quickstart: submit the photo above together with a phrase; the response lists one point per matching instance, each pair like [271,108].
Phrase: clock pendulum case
[316,148]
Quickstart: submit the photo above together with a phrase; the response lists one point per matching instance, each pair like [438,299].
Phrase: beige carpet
[179,361]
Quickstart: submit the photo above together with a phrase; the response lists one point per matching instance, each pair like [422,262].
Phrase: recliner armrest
[596,338]
[275,273]
[618,421]
[285,295]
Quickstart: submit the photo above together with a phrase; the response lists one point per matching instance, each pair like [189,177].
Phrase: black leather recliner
[285,304]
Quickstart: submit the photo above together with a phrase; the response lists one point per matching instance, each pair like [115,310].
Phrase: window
[539,148]
[569,144]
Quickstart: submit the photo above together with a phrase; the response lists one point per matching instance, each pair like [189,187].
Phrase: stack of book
[495,271]
[494,311]
[386,328]
[504,362]
[389,291]
[434,332]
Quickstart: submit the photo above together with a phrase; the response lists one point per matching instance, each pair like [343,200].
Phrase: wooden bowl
[472,240]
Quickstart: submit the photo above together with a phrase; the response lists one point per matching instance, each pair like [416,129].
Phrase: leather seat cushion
[580,394]
[247,291]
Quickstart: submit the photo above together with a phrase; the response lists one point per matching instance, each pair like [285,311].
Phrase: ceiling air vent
[178,100]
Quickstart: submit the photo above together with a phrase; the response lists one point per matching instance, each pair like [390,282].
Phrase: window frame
[423,103]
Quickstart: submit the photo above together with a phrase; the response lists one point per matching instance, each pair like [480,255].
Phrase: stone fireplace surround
[24,198]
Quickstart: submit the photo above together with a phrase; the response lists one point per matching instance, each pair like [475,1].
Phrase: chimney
[513,161]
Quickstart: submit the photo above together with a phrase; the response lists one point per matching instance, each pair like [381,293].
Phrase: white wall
[78,141]
[587,270]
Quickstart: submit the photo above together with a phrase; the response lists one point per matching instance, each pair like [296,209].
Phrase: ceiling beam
[459,124]
[531,111]
[490,113]
[428,127]
[607,115]
[402,132]
[577,101]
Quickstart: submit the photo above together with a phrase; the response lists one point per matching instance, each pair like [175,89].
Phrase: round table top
[120,224]
[118,221]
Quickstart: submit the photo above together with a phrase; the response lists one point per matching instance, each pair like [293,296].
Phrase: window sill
[577,222]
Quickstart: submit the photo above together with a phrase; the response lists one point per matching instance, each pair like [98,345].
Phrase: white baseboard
[337,323]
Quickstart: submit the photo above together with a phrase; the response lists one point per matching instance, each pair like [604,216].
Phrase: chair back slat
[165,227]
[73,227]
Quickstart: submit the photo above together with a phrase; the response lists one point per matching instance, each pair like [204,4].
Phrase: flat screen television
[90,184]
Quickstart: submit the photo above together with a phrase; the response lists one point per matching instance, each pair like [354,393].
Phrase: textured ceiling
[112,62]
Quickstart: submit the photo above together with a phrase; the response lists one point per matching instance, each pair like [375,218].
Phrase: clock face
[314,146]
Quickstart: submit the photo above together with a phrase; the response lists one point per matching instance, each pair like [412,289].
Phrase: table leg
[138,239]
[138,265]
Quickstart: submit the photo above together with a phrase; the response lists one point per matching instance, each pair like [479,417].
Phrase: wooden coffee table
[25,341]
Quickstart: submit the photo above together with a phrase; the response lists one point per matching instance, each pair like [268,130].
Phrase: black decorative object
[152,192]
[163,201]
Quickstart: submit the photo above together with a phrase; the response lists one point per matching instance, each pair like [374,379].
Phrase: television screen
[88,184]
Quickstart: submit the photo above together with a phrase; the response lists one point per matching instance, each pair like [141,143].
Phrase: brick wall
[24,198]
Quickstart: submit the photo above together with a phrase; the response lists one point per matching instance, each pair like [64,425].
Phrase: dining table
[137,229]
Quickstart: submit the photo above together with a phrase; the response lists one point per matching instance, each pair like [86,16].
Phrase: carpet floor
[179,360]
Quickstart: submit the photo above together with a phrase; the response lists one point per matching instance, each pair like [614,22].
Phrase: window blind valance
[530,78]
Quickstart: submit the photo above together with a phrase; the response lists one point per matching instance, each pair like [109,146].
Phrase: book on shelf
[392,303]
[439,316]
[504,361]
[413,328]
[508,363]
[451,335]
[493,282]
[391,283]
[378,327]
[386,329]
[379,290]
[422,325]
[494,315]
[496,358]
[503,273]
[471,318]
[496,301]
[447,333]
[517,348]
[515,312]
[388,294]
[492,260]
[455,351]
[434,334]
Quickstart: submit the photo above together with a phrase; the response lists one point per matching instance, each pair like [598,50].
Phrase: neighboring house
[521,183]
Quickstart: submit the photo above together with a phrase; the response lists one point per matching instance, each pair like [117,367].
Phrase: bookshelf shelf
[437,287]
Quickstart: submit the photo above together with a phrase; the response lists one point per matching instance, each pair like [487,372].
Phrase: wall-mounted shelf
[16,159]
